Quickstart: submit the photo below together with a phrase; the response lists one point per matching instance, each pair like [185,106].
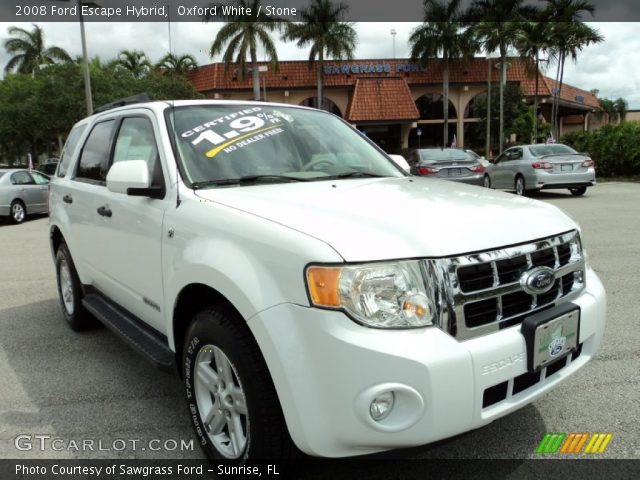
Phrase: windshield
[444,155]
[221,144]
[542,150]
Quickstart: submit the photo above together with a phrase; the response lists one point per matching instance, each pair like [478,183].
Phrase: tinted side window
[94,160]
[69,149]
[516,154]
[21,178]
[136,141]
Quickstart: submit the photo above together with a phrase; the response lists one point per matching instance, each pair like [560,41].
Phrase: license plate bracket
[551,335]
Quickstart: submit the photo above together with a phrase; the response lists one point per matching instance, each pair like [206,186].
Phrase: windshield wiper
[353,175]
[246,180]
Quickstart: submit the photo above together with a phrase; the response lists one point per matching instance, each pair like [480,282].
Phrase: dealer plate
[556,338]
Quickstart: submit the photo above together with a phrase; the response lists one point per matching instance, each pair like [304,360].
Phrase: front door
[129,233]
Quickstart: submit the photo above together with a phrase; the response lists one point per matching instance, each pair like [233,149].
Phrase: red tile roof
[300,74]
[381,99]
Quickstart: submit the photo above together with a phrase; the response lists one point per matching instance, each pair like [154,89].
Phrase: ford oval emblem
[538,280]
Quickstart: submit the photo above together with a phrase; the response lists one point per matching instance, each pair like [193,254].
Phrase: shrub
[614,148]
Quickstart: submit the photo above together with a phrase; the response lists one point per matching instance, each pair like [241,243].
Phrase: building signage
[356,68]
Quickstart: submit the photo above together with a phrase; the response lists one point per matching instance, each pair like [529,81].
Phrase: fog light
[381,406]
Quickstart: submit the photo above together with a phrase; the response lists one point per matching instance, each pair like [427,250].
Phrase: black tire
[263,427]
[18,211]
[578,191]
[70,292]
[487,181]
[519,186]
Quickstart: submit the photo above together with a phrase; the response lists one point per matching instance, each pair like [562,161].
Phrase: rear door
[42,184]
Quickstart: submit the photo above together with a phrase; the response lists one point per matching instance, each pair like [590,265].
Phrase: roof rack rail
[140,98]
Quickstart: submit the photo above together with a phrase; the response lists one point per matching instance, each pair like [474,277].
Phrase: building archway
[476,107]
[429,130]
[327,105]
[431,106]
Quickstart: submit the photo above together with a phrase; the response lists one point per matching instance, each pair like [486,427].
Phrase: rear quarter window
[69,149]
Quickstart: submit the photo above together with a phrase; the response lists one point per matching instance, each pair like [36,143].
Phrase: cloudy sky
[612,67]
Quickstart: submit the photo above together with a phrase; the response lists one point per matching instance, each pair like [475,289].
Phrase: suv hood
[392,218]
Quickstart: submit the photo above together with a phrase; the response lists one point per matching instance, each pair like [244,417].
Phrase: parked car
[48,167]
[543,166]
[310,292]
[447,164]
[23,193]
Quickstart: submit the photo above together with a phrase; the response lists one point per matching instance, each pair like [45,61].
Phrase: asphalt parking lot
[90,385]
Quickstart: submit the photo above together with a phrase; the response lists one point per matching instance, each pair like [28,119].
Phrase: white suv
[306,287]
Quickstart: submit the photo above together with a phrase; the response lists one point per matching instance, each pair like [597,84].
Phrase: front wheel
[519,186]
[232,402]
[577,191]
[487,181]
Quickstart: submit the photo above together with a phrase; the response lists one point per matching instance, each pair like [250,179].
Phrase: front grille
[485,288]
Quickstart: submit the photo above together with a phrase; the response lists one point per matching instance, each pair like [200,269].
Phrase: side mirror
[129,175]
[400,161]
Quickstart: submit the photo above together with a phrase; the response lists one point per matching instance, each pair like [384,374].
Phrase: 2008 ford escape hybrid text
[310,292]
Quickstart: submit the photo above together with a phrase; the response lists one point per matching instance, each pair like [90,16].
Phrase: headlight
[381,295]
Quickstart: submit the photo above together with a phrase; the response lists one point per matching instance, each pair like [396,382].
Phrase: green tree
[242,34]
[568,36]
[29,51]
[135,62]
[322,28]
[179,65]
[442,33]
[497,28]
[615,111]
[532,41]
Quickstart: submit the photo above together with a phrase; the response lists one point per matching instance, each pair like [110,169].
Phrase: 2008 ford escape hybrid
[309,291]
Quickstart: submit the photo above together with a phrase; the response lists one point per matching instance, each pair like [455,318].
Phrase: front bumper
[327,369]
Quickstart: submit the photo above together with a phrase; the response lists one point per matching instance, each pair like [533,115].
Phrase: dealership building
[398,103]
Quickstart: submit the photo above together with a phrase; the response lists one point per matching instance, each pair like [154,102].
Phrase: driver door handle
[105,211]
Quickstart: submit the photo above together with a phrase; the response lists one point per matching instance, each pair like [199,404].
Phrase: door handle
[67,199]
[105,211]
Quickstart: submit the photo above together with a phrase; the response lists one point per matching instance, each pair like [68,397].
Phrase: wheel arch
[191,299]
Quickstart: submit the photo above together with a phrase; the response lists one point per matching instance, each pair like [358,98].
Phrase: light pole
[85,58]
[393,36]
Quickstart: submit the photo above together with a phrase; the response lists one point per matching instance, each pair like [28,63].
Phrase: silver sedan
[536,167]
[23,193]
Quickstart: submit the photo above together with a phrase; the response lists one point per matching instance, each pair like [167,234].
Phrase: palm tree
[135,61]
[242,34]
[615,111]
[29,52]
[497,28]
[178,65]
[568,36]
[532,41]
[442,33]
[328,36]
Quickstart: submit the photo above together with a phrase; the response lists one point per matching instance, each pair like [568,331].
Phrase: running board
[144,341]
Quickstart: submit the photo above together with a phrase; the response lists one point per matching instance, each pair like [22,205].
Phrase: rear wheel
[577,191]
[18,211]
[519,185]
[70,292]
[232,402]
[487,181]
